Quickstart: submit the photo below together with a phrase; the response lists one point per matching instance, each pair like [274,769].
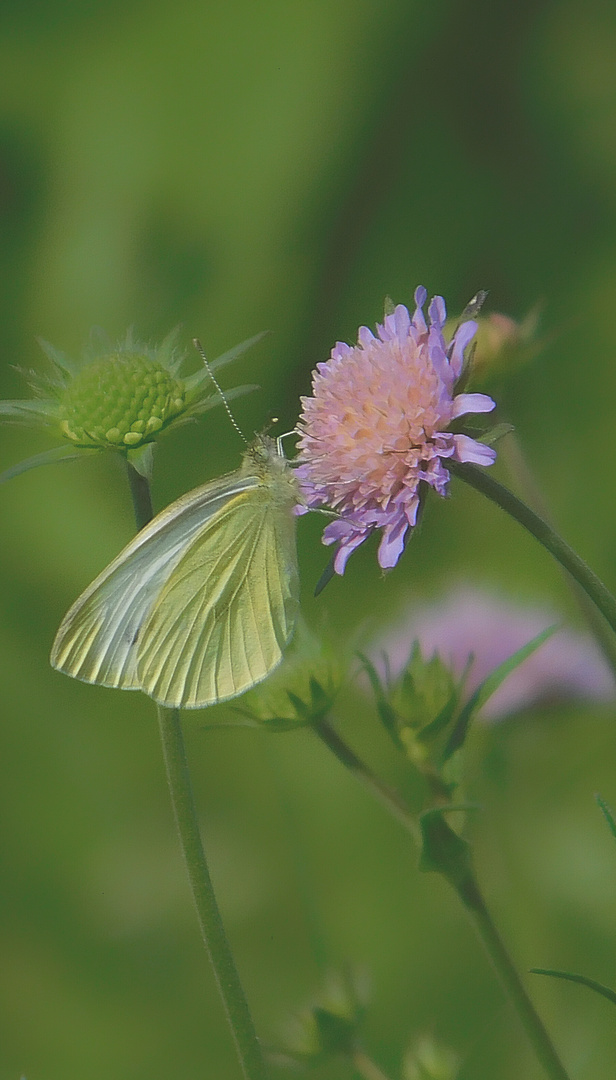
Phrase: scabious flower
[379,423]
[473,625]
[118,398]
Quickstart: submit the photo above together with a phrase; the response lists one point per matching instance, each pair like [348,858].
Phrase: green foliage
[583,980]
[608,814]
[330,1026]
[427,1060]
[121,398]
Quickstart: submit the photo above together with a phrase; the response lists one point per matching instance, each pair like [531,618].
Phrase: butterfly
[201,604]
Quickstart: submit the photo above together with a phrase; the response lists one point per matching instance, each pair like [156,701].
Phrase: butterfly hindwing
[222,620]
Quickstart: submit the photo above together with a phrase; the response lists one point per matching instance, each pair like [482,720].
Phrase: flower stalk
[520,471]
[141,495]
[185,813]
[450,856]
[210,921]
[543,532]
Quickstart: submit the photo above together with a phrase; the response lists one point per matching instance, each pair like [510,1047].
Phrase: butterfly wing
[221,621]
[98,638]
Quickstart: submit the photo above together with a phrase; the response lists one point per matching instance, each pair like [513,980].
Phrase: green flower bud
[428,1061]
[117,397]
[329,1027]
[501,346]
[121,400]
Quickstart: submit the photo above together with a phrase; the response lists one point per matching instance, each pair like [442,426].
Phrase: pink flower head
[377,425]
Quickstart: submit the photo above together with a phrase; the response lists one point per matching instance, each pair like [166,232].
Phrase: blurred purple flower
[472,622]
[377,425]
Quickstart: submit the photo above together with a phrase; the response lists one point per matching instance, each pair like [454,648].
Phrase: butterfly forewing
[200,605]
[97,639]
[222,620]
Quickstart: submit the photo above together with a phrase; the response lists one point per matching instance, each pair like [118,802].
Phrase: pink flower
[470,622]
[377,425]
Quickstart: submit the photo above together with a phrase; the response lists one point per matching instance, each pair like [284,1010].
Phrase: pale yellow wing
[226,612]
[98,638]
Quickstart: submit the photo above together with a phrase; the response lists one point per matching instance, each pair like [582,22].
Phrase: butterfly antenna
[201,351]
[285,435]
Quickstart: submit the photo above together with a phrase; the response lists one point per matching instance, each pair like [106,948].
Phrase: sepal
[300,692]
[328,1027]
[47,457]
[443,851]
[488,687]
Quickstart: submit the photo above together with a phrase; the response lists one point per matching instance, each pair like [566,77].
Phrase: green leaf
[326,577]
[423,690]
[60,359]
[238,350]
[489,686]
[142,460]
[607,813]
[431,731]
[387,714]
[210,401]
[442,850]
[29,411]
[202,376]
[321,699]
[246,719]
[497,432]
[592,984]
[48,457]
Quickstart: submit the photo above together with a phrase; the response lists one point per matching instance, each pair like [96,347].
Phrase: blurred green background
[284,166]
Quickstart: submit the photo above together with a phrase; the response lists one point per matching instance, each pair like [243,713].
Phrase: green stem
[543,532]
[141,495]
[519,469]
[227,978]
[453,861]
[210,922]
[381,791]
[474,903]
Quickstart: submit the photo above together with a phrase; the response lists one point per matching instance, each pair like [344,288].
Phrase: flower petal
[472,403]
[468,449]
[392,543]
[437,312]
[377,426]
[349,536]
[462,337]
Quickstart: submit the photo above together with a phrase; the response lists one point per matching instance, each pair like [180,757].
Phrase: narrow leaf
[497,432]
[592,984]
[326,577]
[28,411]
[607,813]
[432,730]
[248,720]
[198,403]
[70,367]
[386,713]
[237,350]
[489,686]
[48,457]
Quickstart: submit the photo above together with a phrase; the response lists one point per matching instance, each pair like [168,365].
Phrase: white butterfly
[201,604]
